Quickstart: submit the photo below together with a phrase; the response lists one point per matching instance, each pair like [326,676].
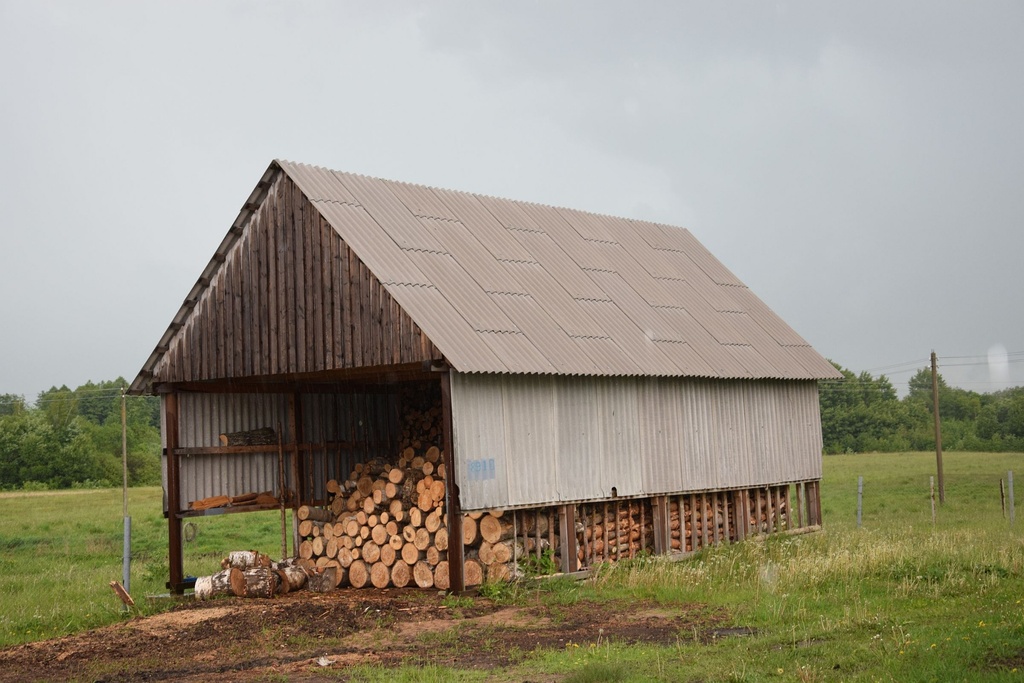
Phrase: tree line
[861,413]
[72,438]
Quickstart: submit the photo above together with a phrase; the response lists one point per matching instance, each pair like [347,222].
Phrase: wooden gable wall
[290,298]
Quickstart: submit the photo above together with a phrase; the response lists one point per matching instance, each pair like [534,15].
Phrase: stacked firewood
[386,525]
[614,531]
[490,546]
[691,531]
[774,508]
[421,417]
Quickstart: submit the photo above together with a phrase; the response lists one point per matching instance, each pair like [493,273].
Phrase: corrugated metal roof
[505,286]
[522,275]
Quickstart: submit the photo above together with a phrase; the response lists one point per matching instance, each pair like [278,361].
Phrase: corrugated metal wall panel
[530,438]
[619,423]
[575,438]
[343,428]
[202,418]
[479,434]
[661,435]
[578,421]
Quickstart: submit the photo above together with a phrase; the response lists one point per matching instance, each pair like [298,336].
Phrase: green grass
[59,551]
[899,598]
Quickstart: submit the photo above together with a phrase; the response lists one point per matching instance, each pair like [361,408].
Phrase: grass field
[899,598]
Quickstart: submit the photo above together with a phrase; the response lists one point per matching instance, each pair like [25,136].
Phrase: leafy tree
[72,437]
[11,404]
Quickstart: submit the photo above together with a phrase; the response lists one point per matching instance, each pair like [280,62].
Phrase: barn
[582,387]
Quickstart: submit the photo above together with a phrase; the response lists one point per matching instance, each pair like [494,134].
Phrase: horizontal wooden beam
[349,380]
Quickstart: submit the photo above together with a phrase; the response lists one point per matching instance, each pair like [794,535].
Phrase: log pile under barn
[386,525]
[614,530]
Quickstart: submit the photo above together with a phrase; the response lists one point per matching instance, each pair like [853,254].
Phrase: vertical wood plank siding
[290,297]
[533,440]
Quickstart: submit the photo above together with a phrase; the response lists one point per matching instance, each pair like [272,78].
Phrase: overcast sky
[861,167]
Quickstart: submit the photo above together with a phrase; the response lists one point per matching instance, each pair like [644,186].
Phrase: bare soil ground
[312,637]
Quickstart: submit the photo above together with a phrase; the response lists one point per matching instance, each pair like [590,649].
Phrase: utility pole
[126,560]
[938,428]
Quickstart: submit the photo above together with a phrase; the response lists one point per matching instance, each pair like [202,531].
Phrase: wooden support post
[790,524]
[773,506]
[759,510]
[738,508]
[726,527]
[799,504]
[663,525]
[456,550]
[536,533]
[817,501]
[176,584]
[607,538]
[643,525]
[704,519]
[567,531]
[552,514]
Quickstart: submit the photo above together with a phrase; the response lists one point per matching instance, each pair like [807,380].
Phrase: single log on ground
[358,574]
[257,582]
[216,584]
[340,575]
[474,572]
[323,580]
[380,575]
[401,574]
[441,578]
[243,559]
[293,577]
[423,575]
[498,572]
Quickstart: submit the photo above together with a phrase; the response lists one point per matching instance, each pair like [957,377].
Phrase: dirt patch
[309,637]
